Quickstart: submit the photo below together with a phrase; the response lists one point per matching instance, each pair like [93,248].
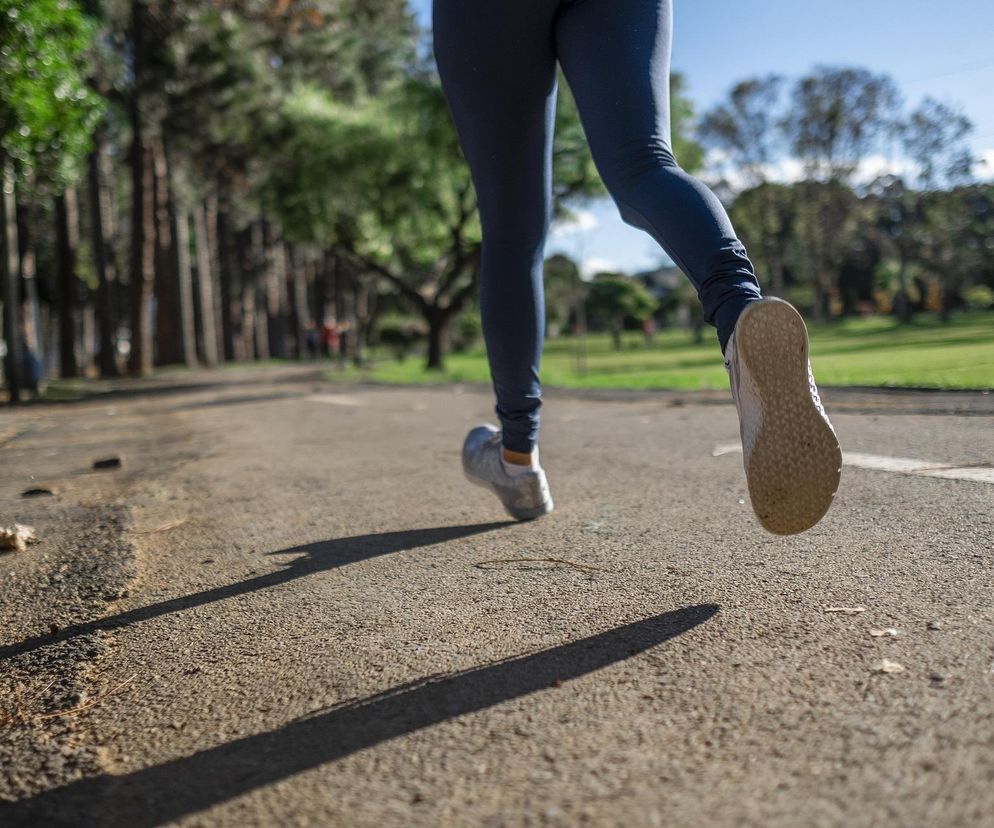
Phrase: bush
[979,297]
[400,334]
[465,332]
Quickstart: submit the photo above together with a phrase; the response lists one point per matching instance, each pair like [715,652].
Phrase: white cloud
[595,265]
[985,169]
[876,165]
[582,221]
[791,170]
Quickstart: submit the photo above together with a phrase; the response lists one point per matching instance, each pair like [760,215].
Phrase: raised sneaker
[793,461]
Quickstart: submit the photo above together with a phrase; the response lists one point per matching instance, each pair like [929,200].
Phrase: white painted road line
[896,465]
[336,399]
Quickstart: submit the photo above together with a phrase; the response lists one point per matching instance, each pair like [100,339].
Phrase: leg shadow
[311,558]
[164,793]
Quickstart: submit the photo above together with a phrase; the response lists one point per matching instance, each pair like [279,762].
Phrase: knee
[629,166]
[634,172]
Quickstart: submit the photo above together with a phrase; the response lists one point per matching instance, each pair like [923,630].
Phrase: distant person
[649,330]
[331,335]
[32,371]
[312,340]
[497,62]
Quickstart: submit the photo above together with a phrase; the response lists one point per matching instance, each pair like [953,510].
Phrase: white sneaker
[525,495]
[793,461]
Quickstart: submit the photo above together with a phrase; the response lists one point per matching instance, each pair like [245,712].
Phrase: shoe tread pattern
[794,461]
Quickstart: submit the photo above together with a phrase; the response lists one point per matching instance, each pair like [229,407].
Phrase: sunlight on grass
[876,351]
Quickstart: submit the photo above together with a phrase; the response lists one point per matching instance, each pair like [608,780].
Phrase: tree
[934,137]
[618,298]
[386,186]
[686,149]
[898,219]
[837,116]
[746,127]
[765,217]
[46,112]
[955,240]
[232,68]
[565,291]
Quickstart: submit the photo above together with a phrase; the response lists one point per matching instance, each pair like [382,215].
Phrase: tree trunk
[226,267]
[616,325]
[903,298]
[777,276]
[142,212]
[172,322]
[33,339]
[275,278]
[946,297]
[205,289]
[249,243]
[184,271]
[88,318]
[9,276]
[334,284]
[438,337]
[370,309]
[106,321]
[247,347]
[347,318]
[142,255]
[262,338]
[213,248]
[323,274]
[67,243]
[301,316]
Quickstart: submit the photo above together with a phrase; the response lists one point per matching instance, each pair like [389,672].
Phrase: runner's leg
[616,56]
[498,70]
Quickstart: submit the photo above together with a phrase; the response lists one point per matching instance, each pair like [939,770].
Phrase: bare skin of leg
[518,458]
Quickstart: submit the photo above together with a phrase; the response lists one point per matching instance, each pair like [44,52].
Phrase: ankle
[516,462]
[519,458]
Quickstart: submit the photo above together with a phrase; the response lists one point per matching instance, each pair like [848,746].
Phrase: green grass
[874,351]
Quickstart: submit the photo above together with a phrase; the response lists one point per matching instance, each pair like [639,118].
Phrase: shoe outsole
[517,514]
[795,463]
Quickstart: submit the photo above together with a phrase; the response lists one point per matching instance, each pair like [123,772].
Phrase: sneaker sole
[795,465]
[517,514]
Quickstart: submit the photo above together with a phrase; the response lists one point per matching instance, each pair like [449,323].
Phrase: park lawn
[874,351]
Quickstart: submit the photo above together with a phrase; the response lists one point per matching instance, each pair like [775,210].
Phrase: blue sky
[945,50]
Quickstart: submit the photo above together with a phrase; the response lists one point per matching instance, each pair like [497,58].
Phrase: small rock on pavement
[114,462]
[16,537]
[888,666]
[935,625]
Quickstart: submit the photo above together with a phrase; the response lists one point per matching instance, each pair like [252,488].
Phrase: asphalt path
[288,607]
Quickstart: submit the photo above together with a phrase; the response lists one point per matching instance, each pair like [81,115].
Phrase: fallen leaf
[846,610]
[16,537]
[888,666]
[886,631]
[165,527]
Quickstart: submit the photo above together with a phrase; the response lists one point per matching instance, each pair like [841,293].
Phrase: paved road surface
[302,615]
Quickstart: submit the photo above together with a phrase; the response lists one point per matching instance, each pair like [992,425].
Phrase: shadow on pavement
[170,386]
[164,793]
[313,557]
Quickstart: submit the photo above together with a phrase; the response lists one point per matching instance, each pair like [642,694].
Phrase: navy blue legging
[497,61]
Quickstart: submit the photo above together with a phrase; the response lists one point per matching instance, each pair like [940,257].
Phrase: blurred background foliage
[232,180]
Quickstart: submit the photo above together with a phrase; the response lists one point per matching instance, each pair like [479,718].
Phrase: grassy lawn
[876,351]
